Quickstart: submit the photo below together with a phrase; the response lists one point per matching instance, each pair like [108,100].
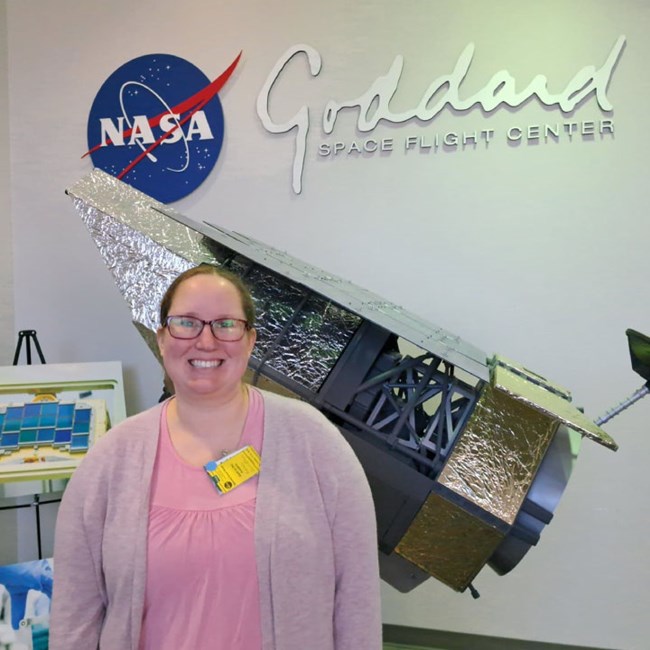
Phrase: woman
[150,555]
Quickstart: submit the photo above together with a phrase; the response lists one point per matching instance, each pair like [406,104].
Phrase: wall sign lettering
[374,105]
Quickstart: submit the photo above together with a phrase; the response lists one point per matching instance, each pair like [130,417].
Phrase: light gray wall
[7,333]
[537,251]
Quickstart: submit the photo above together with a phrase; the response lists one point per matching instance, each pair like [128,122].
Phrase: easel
[28,336]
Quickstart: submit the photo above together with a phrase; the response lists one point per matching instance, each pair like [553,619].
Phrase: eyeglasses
[223,329]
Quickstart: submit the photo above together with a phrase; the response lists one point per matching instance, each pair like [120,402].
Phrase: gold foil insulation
[497,455]
[448,542]
[490,471]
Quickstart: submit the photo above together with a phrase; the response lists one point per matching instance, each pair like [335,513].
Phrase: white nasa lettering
[167,123]
[374,105]
[111,132]
[199,126]
[142,133]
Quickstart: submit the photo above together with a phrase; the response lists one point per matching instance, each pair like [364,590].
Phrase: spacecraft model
[467,456]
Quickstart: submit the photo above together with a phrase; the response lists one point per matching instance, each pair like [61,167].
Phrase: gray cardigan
[315,539]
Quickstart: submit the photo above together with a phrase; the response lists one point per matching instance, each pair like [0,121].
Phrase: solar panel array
[62,425]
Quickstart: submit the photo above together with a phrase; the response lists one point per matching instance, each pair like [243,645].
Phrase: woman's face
[204,365]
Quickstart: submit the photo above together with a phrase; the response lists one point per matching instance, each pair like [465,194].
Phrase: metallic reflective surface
[550,403]
[448,542]
[197,242]
[142,269]
[529,375]
[544,494]
[495,460]
[299,335]
[461,453]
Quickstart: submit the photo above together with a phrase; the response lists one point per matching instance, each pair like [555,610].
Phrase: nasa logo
[157,124]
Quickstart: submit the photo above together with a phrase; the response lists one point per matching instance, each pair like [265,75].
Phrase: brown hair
[208,269]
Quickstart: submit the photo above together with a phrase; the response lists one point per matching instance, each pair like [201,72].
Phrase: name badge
[234,469]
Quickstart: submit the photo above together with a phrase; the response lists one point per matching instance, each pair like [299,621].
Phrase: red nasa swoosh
[193,104]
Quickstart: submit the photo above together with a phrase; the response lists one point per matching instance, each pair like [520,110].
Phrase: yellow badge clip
[234,469]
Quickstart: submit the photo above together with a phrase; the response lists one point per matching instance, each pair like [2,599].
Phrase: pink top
[202,587]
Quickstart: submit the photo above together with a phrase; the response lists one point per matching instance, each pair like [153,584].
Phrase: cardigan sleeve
[79,598]
[357,606]
[100,542]
[351,513]
[317,551]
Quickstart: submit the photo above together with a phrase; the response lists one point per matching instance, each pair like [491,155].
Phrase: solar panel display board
[51,415]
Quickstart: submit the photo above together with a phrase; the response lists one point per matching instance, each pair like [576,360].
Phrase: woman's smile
[205,363]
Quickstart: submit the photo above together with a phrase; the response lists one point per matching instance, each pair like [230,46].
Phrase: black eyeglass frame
[247,327]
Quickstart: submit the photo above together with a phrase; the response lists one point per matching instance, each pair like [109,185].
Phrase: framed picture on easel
[52,414]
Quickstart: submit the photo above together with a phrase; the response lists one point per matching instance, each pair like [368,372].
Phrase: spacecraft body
[467,455]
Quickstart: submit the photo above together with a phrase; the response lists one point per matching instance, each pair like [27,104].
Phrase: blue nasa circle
[140,90]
